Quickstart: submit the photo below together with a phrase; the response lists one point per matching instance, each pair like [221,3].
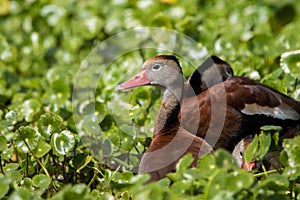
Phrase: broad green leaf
[63,142]
[184,163]
[26,138]
[48,124]
[30,108]
[292,149]
[258,147]
[60,92]
[4,185]
[207,165]
[224,159]
[290,63]
[23,194]
[41,181]
[3,143]
[78,191]
[41,148]
[11,116]
[11,173]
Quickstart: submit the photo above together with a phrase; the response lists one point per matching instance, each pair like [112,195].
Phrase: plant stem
[208,186]
[1,168]
[36,158]
[64,168]
[26,173]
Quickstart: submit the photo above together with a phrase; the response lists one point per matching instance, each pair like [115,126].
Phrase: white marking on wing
[280,112]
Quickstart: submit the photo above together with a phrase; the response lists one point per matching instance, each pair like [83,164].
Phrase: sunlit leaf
[3,143]
[4,188]
[48,124]
[258,147]
[41,148]
[26,139]
[62,142]
[290,63]
[30,108]
[23,193]
[41,181]
[292,148]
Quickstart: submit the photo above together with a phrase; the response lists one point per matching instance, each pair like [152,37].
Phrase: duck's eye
[241,153]
[156,67]
[229,72]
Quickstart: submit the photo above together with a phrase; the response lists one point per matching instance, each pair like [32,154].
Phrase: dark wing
[252,98]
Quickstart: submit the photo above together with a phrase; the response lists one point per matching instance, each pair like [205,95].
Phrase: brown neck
[168,113]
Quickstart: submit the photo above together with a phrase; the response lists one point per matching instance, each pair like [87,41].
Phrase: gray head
[162,71]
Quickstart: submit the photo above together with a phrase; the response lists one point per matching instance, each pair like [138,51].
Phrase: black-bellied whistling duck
[211,72]
[227,112]
[170,141]
[270,160]
[238,153]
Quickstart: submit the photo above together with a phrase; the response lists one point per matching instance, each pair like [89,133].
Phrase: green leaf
[4,185]
[27,138]
[292,149]
[259,146]
[62,142]
[23,194]
[41,148]
[207,165]
[48,124]
[184,163]
[78,191]
[290,63]
[3,143]
[41,181]
[224,159]
[30,108]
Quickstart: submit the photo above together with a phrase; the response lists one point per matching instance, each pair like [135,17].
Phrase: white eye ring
[156,67]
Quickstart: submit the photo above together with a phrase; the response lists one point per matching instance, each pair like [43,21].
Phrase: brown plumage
[228,111]
[170,141]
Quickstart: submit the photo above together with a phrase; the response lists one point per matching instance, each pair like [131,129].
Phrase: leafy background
[42,46]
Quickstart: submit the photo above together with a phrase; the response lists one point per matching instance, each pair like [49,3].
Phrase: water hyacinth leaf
[89,27]
[224,159]
[207,165]
[41,148]
[4,187]
[258,147]
[184,162]
[30,108]
[62,142]
[290,63]
[60,91]
[264,142]
[26,138]
[41,181]
[11,116]
[27,182]
[92,109]
[10,167]
[78,191]
[275,185]
[3,143]
[23,193]
[49,123]
[232,182]
[292,149]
